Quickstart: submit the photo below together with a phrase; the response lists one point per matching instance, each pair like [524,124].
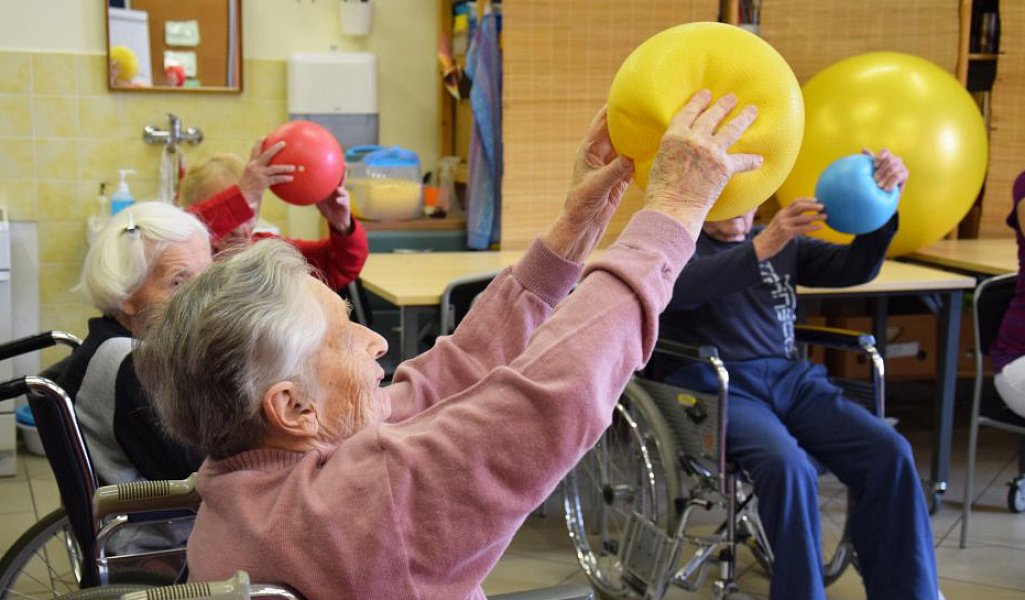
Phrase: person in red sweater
[226,195]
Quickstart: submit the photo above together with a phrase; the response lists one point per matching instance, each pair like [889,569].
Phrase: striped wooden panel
[559,60]
[1007,138]
[812,34]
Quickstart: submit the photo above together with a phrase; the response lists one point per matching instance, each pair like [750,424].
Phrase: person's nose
[376,345]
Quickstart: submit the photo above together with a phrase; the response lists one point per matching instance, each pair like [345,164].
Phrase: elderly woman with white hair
[138,260]
[320,478]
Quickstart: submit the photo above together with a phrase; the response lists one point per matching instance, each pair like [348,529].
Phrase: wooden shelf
[983,56]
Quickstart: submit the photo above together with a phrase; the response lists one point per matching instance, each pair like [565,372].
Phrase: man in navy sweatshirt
[738,293]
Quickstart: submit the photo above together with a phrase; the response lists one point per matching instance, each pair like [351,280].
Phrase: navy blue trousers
[780,412]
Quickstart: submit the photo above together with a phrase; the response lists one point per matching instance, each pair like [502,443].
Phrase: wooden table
[980,258]
[414,282]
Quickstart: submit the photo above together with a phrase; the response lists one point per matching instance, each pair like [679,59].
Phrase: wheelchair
[68,548]
[659,482]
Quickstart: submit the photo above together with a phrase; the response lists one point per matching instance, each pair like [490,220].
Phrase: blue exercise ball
[853,201]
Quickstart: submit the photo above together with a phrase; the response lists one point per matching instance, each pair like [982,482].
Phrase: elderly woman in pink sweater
[318,477]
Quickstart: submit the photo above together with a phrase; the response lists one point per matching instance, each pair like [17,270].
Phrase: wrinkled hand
[889,170]
[337,209]
[800,217]
[692,165]
[259,174]
[600,177]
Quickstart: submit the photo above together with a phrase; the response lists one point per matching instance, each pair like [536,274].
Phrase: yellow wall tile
[264,115]
[20,199]
[56,280]
[15,72]
[17,158]
[62,242]
[55,116]
[91,70]
[266,79]
[54,74]
[70,200]
[57,159]
[100,117]
[101,159]
[15,115]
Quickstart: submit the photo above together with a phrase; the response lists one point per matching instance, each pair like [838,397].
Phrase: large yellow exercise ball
[125,61]
[667,69]
[915,109]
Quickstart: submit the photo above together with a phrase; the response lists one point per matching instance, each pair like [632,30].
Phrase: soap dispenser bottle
[122,198]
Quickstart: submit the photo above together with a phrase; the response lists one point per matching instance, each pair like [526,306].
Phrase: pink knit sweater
[485,425]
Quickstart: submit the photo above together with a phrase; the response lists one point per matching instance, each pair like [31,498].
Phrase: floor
[540,555]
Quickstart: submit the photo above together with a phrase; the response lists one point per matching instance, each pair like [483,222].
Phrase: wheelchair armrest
[686,351]
[564,592]
[37,342]
[832,337]
[146,496]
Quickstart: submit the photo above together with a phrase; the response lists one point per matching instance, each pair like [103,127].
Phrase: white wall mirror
[174,45]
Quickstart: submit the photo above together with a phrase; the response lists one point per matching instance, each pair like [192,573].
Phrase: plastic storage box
[385,184]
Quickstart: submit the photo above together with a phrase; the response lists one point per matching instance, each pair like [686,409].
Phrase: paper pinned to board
[181,33]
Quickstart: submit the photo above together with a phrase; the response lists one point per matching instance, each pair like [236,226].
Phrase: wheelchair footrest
[647,555]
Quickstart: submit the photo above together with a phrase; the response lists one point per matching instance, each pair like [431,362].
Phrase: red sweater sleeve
[339,257]
[223,212]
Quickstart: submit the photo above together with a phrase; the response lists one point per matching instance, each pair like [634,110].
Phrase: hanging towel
[484,185]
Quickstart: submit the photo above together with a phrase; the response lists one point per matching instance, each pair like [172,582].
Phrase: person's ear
[289,411]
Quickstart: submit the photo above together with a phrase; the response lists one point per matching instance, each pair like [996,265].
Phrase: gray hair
[127,247]
[244,324]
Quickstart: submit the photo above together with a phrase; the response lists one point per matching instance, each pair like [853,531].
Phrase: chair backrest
[458,298]
[57,425]
[992,298]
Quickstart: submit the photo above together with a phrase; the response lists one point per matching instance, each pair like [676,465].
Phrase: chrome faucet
[174,135]
[171,165]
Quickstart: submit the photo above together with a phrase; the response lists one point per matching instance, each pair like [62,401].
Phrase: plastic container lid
[356,153]
[24,416]
[392,157]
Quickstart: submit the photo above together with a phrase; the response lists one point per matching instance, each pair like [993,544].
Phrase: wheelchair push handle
[235,588]
[13,388]
[35,342]
[146,496]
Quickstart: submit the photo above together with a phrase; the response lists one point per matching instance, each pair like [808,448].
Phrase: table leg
[946,365]
[411,320]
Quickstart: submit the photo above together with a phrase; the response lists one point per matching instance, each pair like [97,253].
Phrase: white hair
[127,247]
[247,322]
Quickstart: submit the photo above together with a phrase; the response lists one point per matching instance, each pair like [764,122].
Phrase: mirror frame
[166,88]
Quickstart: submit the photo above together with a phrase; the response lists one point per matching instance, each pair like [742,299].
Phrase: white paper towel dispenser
[337,90]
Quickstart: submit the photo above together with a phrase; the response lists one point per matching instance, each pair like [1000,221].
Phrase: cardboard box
[910,348]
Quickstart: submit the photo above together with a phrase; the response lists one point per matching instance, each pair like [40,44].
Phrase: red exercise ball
[318,159]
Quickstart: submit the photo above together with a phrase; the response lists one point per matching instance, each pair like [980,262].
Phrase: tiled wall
[62,132]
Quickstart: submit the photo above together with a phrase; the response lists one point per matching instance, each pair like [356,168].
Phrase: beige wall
[62,132]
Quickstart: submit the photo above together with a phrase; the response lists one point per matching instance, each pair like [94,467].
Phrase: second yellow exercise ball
[667,69]
[918,111]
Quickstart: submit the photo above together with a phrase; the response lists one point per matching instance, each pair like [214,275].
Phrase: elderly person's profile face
[730,230]
[348,375]
[177,264]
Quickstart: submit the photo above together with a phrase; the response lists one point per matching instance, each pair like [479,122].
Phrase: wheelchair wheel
[44,562]
[632,468]
[834,508]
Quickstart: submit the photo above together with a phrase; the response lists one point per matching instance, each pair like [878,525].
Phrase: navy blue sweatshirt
[724,297]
